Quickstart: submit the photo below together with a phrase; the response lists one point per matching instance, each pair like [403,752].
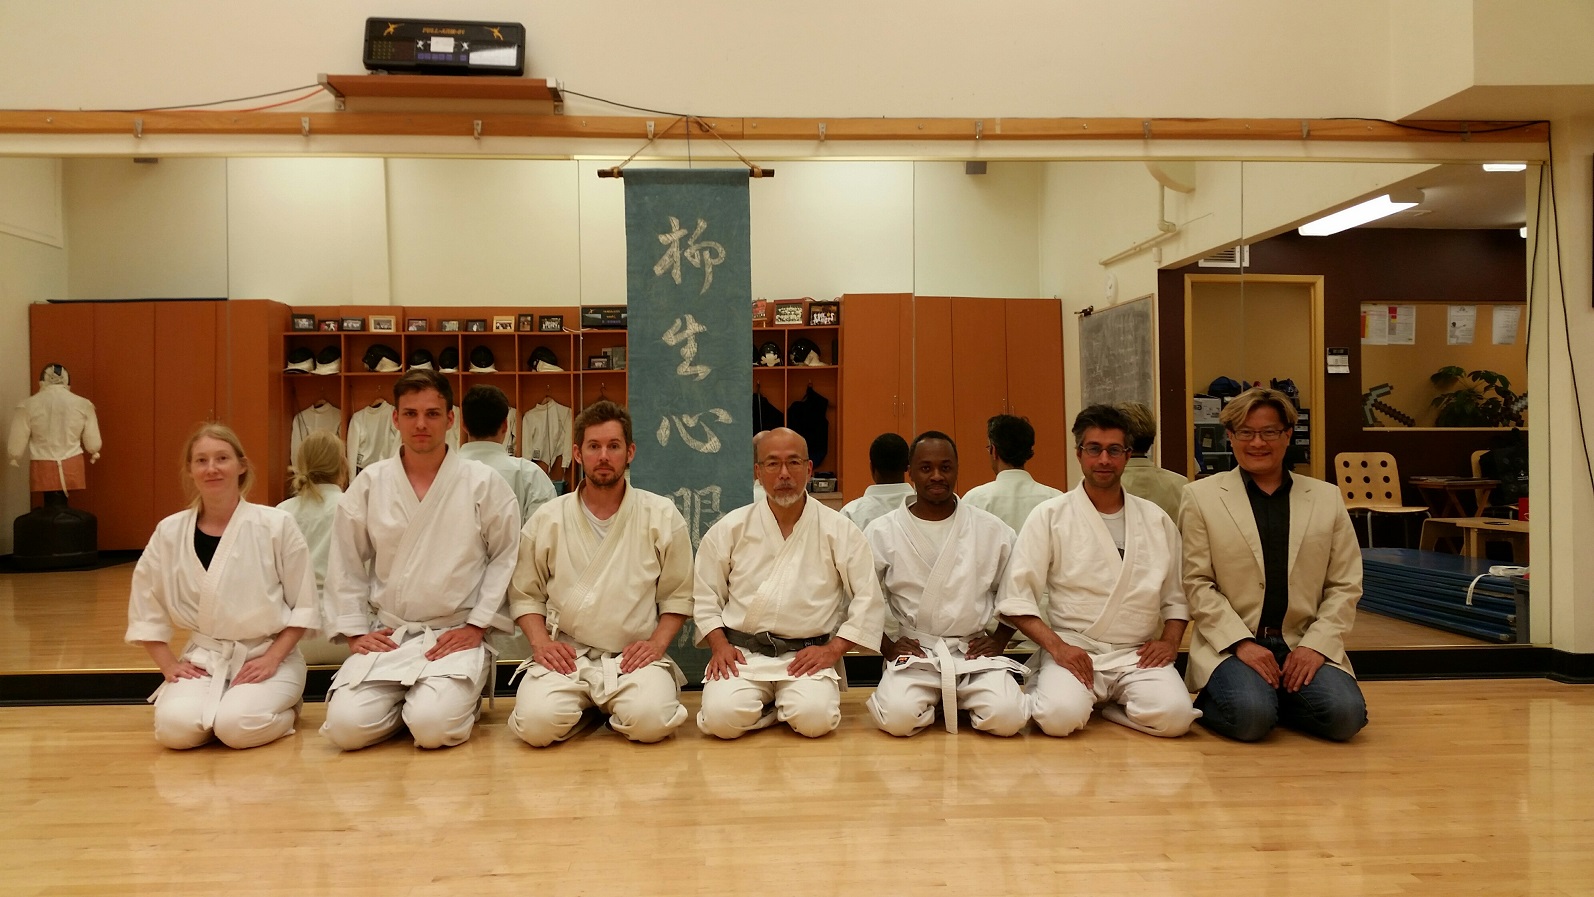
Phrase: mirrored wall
[1194,271]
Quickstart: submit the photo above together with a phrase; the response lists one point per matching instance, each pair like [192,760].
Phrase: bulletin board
[1408,367]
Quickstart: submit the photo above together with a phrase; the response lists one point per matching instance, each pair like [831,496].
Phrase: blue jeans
[1238,703]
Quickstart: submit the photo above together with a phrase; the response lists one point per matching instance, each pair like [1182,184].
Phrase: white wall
[32,269]
[146,231]
[976,235]
[819,58]
[308,231]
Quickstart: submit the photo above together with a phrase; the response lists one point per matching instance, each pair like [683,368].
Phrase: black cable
[1464,132]
[1566,320]
[587,96]
[258,96]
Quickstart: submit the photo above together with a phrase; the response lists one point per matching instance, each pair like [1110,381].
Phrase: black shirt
[205,546]
[1272,513]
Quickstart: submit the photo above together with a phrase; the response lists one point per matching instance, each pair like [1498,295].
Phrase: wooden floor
[1456,787]
[76,620]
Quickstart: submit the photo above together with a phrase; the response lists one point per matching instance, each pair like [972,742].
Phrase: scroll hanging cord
[757,171]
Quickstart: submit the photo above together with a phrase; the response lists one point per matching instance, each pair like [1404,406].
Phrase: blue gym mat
[1430,588]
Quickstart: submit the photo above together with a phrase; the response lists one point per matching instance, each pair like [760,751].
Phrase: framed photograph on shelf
[303,322]
[525,323]
[476,325]
[551,323]
[789,314]
[824,314]
[760,312]
[503,323]
[450,326]
[384,323]
[352,324]
[416,325]
[328,324]
[597,362]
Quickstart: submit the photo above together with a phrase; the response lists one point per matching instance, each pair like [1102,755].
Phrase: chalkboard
[1117,354]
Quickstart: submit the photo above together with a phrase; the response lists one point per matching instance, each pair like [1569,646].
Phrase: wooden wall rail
[439,124]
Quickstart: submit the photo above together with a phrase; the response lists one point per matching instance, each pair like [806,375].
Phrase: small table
[1443,494]
[1476,531]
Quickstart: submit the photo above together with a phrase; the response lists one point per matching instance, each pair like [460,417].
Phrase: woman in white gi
[238,577]
[320,473]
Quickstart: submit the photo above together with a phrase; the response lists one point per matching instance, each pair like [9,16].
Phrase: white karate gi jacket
[416,565]
[1011,496]
[545,434]
[54,424]
[1100,603]
[531,486]
[260,582]
[323,417]
[818,582]
[372,436]
[876,502]
[314,519]
[605,594]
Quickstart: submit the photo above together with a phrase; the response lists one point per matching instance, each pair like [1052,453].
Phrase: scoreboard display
[444,47]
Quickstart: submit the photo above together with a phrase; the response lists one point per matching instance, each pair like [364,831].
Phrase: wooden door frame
[1314,392]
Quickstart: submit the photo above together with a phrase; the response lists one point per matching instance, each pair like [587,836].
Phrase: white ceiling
[1462,197]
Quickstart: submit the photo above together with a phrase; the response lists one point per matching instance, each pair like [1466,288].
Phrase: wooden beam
[436,124]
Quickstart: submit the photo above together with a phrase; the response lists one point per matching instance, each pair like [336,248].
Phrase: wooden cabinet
[155,371]
[878,393]
[785,383]
[955,362]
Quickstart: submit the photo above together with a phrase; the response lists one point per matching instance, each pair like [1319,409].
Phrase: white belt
[229,658]
[950,666]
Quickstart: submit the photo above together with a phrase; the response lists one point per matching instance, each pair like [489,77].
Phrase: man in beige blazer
[1273,572]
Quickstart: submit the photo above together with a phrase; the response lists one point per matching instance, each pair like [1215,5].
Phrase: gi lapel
[421,513]
[599,555]
[210,579]
[942,566]
[1081,506]
[783,571]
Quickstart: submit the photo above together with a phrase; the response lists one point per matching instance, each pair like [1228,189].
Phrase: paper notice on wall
[1375,325]
[1506,320]
[1460,325]
[1403,325]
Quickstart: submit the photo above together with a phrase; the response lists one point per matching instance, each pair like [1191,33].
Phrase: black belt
[1270,632]
[769,644]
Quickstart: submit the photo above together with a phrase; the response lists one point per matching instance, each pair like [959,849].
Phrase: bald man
[784,587]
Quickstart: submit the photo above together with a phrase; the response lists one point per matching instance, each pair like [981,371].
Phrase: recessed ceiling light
[1505,166]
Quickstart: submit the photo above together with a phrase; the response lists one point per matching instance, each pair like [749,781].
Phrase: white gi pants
[811,704]
[643,705]
[438,710]
[1153,701]
[249,715]
[905,700]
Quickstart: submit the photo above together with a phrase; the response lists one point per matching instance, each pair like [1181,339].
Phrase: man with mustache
[602,586]
[784,587]
[1110,563]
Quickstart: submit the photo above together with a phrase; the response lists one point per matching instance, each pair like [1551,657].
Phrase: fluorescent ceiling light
[1524,233]
[1355,216]
[1505,166]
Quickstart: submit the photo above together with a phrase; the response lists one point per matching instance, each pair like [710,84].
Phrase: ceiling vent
[1233,257]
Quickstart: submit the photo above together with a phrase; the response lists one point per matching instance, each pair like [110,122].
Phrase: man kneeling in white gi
[603,584]
[784,587]
[425,542]
[1111,563]
[941,563]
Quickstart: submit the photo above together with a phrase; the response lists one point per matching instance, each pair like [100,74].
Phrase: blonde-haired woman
[238,577]
[320,473]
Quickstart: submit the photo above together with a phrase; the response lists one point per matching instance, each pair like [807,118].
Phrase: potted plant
[1476,399]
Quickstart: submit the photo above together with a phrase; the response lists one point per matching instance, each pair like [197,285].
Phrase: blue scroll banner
[690,347]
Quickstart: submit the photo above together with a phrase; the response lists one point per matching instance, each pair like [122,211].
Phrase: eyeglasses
[1246,434]
[791,464]
[1114,452]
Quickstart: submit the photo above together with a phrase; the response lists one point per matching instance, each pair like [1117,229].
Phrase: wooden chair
[1487,508]
[1370,483]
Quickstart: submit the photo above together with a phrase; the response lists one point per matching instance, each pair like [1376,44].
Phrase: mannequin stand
[55,536]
